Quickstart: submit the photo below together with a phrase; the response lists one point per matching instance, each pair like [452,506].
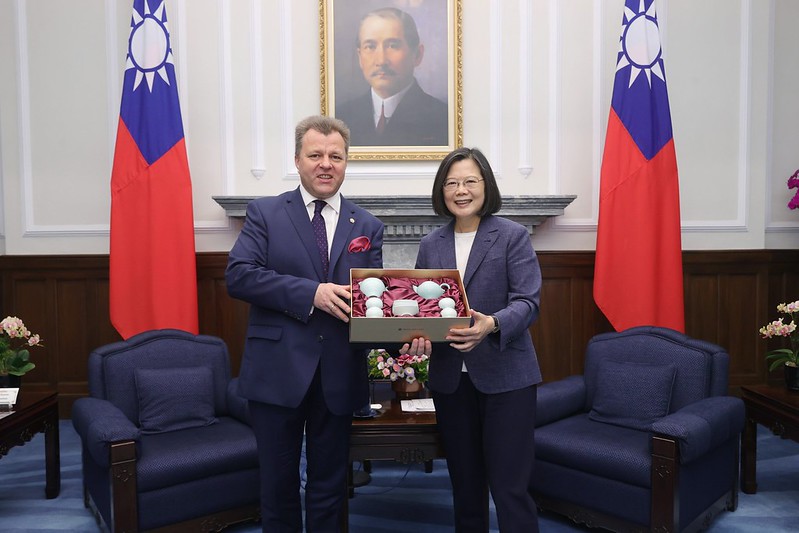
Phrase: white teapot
[430,289]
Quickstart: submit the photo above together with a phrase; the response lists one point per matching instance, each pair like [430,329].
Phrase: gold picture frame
[427,123]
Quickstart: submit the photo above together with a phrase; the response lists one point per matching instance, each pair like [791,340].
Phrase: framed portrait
[391,70]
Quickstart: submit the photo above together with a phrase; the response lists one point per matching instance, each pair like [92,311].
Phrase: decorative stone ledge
[409,218]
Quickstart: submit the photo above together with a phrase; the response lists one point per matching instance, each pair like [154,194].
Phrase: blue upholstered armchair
[165,436]
[645,440]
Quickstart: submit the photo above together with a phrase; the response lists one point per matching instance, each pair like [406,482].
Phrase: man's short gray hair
[324,125]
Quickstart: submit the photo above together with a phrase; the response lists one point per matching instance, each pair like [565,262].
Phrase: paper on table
[8,397]
[423,405]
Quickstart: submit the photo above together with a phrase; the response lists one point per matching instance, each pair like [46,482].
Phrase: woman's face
[464,190]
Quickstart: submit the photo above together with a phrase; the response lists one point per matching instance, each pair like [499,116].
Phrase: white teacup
[374,302]
[405,308]
[372,287]
[374,312]
[446,303]
[449,312]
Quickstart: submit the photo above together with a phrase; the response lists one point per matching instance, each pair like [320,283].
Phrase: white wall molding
[226,97]
[525,88]
[23,93]
[112,81]
[598,104]
[495,89]
[30,228]
[286,93]
[773,226]
[553,75]
[257,90]
[744,114]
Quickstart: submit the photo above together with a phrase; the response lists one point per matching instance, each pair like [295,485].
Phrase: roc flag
[638,274]
[153,281]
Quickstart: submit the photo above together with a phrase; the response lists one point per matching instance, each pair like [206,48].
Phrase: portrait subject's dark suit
[419,120]
[502,278]
[297,360]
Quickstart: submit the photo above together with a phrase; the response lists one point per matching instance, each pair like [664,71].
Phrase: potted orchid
[15,339]
[787,358]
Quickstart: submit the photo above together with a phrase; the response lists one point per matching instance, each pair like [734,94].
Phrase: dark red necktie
[381,123]
[320,232]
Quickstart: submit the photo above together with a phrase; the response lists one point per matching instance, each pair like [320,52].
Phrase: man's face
[321,163]
[385,58]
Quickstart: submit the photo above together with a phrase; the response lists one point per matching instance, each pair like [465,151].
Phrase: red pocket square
[359,244]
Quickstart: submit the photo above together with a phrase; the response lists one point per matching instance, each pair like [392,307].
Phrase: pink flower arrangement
[408,367]
[778,328]
[15,339]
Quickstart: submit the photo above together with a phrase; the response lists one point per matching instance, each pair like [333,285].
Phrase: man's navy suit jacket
[419,120]
[276,268]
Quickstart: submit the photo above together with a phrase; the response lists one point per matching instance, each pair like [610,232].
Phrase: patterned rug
[398,498]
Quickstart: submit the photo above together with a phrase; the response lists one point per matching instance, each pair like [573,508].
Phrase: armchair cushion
[632,395]
[99,424]
[559,399]
[603,450]
[171,399]
[178,457]
[703,426]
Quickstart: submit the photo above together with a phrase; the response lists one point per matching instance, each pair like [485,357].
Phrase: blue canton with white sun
[150,107]
[639,97]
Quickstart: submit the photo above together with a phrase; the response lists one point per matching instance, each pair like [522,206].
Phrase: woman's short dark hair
[493,199]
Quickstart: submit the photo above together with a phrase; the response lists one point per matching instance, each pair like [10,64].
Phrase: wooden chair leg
[124,499]
[665,511]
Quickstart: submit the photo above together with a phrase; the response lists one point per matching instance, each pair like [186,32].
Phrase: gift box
[404,284]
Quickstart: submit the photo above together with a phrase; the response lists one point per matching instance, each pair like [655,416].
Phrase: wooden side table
[776,408]
[35,412]
[393,435]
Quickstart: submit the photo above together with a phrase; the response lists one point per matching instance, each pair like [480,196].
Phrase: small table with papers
[407,437]
[35,412]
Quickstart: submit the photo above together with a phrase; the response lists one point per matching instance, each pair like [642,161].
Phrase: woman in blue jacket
[483,381]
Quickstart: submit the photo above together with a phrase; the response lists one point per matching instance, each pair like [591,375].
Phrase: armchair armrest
[703,425]
[238,406]
[100,424]
[559,399]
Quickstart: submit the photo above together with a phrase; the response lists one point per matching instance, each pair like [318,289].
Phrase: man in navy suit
[396,111]
[299,371]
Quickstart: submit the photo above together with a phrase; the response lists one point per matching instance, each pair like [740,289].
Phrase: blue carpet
[398,499]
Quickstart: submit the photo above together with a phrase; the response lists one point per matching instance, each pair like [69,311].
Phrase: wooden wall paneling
[70,298]
[72,328]
[728,297]
[30,301]
[221,315]
[552,335]
[740,295]
[569,315]
[724,292]
[702,305]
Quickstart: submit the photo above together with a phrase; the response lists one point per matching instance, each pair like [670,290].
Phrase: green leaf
[22,370]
